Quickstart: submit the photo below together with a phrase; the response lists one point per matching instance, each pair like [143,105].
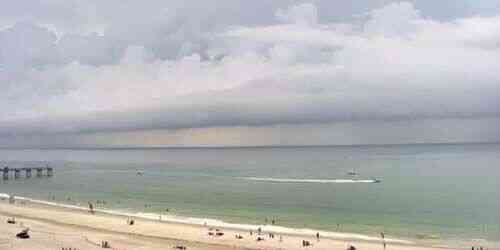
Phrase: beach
[244,189]
[421,194]
[54,227]
[263,124]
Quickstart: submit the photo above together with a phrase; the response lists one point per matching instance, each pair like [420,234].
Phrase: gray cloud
[94,66]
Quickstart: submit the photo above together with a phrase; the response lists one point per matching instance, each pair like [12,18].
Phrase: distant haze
[234,72]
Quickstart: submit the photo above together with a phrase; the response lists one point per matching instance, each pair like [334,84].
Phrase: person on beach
[273,221]
[130,221]
[382,235]
[12,199]
[317,236]
[11,220]
[91,208]
[305,243]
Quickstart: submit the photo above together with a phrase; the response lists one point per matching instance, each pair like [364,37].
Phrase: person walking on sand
[382,235]
[91,208]
[317,236]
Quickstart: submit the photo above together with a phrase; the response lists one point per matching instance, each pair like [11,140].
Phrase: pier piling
[17,173]
[5,173]
[49,172]
[39,172]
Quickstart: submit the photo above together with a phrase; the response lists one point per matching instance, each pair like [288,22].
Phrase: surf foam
[216,223]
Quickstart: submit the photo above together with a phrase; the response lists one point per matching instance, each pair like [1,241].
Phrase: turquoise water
[446,191]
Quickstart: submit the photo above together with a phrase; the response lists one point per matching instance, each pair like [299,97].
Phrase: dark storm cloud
[225,111]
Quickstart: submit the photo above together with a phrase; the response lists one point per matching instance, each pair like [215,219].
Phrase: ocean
[445,191]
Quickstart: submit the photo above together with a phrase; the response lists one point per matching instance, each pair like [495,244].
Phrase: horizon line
[238,147]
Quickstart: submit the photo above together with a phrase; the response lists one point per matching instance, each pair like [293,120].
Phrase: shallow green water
[433,190]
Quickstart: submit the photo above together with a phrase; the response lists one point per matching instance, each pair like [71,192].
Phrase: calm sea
[446,191]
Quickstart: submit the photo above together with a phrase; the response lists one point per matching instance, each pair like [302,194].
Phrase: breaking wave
[208,222]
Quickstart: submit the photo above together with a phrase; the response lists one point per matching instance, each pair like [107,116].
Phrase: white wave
[286,180]
[218,223]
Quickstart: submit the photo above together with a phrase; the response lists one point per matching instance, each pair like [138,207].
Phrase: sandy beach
[57,228]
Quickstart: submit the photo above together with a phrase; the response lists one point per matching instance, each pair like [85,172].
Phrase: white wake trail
[289,180]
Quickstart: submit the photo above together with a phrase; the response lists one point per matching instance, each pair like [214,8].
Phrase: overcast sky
[239,72]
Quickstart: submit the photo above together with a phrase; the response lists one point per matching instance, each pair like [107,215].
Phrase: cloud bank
[175,68]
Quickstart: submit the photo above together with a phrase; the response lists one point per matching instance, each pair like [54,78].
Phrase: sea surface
[426,191]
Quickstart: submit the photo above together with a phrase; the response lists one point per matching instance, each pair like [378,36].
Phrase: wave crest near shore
[216,223]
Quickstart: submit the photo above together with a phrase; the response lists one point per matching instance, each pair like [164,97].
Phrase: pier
[40,172]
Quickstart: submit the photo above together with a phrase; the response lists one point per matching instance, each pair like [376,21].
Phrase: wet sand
[57,228]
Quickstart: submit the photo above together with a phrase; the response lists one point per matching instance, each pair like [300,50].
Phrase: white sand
[55,227]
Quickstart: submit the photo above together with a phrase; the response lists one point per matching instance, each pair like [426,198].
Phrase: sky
[95,73]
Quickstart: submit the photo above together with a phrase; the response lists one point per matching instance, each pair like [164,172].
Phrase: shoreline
[196,230]
[208,222]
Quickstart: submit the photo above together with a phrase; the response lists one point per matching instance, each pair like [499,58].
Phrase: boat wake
[324,181]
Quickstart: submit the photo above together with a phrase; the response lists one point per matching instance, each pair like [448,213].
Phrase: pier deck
[40,171]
